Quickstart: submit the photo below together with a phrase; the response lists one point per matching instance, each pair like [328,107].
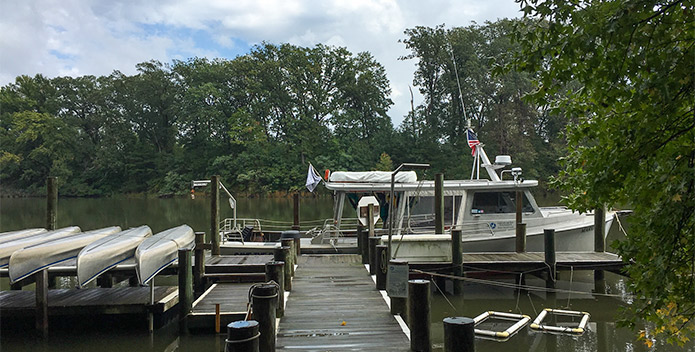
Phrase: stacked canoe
[26,252]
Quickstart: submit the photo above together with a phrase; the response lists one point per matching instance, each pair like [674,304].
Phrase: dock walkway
[334,306]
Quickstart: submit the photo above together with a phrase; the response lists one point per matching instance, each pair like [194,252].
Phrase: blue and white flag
[312,178]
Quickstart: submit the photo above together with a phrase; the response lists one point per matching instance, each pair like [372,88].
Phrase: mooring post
[51,203]
[41,278]
[459,334]
[264,302]
[215,214]
[358,232]
[550,259]
[381,266]
[397,286]
[275,271]
[185,286]
[373,242]
[599,229]
[242,336]
[295,211]
[199,272]
[438,204]
[292,256]
[520,226]
[280,255]
[457,259]
[105,280]
[419,315]
[367,234]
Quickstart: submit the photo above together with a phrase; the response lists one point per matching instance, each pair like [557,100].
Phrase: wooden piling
[358,233]
[599,229]
[373,242]
[295,212]
[457,259]
[459,334]
[242,336]
[367,234]
[280,255]
[41,278]
[264,301]
[199,272]
[185,286]
[520,237]
[550,259]
[105,280]
[438,204]
[51,203]
[292,257]
[520,226]
[419,315]
[275,271]
[381,266]
[215,214]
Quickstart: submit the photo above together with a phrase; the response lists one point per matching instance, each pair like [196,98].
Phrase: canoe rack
[520,322]
[578,330]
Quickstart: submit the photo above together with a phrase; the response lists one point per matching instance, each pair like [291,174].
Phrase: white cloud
[78,37]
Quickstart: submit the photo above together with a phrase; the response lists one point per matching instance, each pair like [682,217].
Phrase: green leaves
[634,141]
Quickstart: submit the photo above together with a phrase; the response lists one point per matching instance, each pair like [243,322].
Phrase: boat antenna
[458,84]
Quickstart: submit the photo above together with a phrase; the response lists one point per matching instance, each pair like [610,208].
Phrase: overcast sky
[83,37]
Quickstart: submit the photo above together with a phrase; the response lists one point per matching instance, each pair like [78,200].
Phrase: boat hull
[29,260]
[9,247]
[159,251]
[103,254]
[437,248]
[13,235]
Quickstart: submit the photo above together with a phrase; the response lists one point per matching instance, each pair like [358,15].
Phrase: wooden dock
[232,298]
[90,301]
[334,306]
[529,261]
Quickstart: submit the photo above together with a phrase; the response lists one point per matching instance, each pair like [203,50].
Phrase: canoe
[102,255]
[13,235]
[29,260]
[159,251]
[9,247]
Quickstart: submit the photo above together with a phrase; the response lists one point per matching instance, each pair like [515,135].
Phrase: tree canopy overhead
[634,138]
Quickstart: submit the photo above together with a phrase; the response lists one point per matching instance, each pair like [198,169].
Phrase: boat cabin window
[498,203]
[422,210]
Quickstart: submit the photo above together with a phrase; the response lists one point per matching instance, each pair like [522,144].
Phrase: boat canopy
[372,176]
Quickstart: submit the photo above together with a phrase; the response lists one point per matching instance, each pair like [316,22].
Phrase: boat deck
[334,306]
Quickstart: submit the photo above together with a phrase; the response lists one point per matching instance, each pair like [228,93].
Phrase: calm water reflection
[160,214]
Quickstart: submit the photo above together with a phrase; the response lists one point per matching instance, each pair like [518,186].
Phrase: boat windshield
[498,203]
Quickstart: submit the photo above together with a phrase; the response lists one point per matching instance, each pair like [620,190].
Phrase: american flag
[472,141]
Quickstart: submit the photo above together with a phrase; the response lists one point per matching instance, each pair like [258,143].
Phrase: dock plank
[327,291]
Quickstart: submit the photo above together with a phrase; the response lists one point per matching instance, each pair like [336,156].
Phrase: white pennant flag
[312,178]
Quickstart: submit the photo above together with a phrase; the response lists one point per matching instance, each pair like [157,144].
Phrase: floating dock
[334,306]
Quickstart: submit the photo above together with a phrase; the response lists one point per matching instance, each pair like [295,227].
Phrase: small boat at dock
[13,235]
[29,260]
[103,254]
[159,251]
[9,247]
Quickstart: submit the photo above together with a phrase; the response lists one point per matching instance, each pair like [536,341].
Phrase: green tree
[634,140]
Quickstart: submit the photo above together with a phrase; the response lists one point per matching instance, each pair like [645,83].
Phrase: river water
[485,294]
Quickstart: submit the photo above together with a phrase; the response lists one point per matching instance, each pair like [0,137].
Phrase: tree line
[259,119]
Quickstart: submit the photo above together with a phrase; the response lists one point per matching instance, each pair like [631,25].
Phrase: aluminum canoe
[103,254]
[29,260]
[9,247]
[13,235]
[159,251]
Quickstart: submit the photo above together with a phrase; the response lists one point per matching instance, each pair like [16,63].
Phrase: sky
[94,37]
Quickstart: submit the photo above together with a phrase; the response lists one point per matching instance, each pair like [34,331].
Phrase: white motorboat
[9,247]
[13,235]
[103,254]
[483,209]
[159,251]
[29,260]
